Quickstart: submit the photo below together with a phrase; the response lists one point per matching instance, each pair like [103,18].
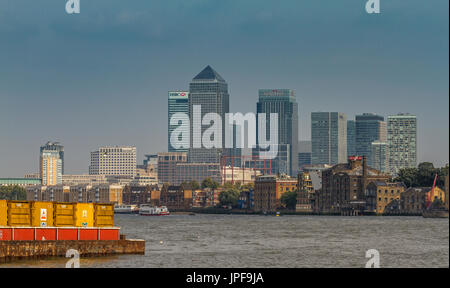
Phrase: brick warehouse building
[344,186]
[176,197]
[382,196]
[137,195]
[269,189]
[413,200]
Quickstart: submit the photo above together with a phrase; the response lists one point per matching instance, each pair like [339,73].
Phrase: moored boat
[126,209]
[435,213]
[148,210]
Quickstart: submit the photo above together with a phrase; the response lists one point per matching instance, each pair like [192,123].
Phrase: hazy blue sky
[101,77]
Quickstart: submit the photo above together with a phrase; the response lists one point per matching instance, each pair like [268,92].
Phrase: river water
[241,241]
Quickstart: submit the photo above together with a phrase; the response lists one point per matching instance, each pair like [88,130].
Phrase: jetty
[37,249]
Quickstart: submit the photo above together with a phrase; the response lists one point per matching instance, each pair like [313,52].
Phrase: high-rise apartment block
[115,161]
[328,138]
[402,141]
[51,163]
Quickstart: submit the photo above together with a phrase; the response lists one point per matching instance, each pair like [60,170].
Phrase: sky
[101,77]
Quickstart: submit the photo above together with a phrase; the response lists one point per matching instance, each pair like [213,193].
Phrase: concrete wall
[11,250]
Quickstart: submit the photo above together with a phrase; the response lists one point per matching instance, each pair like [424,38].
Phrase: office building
[230,174]
[167,166]
[32,176]
[304,154]
[351,138]
[369,128]
[208,92]
[283,103]
[402,141]
[328,138]
[187,172]
[178,103]
[114,161]
[19,181]
[380,156]
[84,179]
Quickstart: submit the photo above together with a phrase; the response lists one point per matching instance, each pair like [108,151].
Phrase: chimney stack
[364,176]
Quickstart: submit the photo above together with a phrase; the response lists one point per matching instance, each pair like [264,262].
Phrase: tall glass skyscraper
[351,138]
[380,156]
[328,138]
[402,141]
[369,128]
[304,154]
[282,102]
[209,91]
[178,103]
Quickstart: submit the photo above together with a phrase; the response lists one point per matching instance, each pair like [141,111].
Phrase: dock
[35,249]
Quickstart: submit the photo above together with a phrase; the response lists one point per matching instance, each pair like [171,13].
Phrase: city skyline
[79,98]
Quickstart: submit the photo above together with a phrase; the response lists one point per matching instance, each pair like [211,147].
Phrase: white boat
[125,209]
[148,210]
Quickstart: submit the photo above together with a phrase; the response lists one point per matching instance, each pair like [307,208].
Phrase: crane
[431,193]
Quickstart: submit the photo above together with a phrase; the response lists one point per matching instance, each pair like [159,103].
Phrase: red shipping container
[67,233]
[21,234]
[45,234]
[88,234]
[108,234]
[5,234]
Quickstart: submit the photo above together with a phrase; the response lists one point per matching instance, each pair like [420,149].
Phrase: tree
[407,176]
[228,185]
[194,185]
[425,174]
[248,186]
[229,197]
[422,176]
[207,183]
[289,199]
[214,185]
[12,193]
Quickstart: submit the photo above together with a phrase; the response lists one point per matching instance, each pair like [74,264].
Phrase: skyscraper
[380,156]
[282,102]
[208,91]
[351,138]
[402,141]
[369,128]
[178,103]
[51,163]
[304,153]
[328,138]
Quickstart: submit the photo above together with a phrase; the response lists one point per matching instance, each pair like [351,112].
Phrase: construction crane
[431,193]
